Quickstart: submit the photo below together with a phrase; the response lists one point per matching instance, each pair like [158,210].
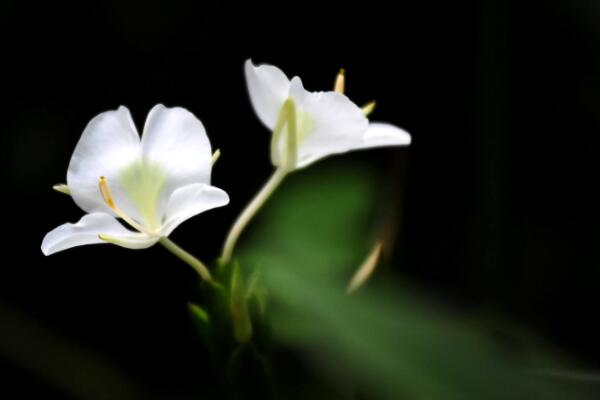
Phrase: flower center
[143,182]
[302,127]
[110,202]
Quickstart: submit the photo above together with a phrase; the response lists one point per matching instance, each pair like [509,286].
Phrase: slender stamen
[368,108]
[110,202]
[282,120]
[364,272]
[340,81]
[292,135]
[216,155]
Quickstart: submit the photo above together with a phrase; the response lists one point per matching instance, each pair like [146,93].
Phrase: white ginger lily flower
[153,183]
[325,122]
[307,126]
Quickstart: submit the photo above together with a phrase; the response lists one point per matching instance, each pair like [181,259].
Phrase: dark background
[498,207]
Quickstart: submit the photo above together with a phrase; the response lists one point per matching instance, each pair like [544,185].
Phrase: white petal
[176,140]
[192,200]
[268,88]
[176,152]
[380,134]
[108,143]
[329,123]
[87,231]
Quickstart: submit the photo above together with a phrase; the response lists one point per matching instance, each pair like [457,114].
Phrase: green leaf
[249,374]
[383,338]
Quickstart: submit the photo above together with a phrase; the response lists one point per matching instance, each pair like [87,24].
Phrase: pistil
[110,202]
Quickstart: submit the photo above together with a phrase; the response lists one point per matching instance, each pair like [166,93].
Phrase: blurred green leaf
[382,342]
[201,320]
[199,314]
[249,374]
[240,316]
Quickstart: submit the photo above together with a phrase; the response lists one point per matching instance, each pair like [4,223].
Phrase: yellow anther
[106,193]
[368,108]
[340,81]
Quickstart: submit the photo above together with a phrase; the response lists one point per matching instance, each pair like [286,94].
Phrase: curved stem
[249,212]
[186,257]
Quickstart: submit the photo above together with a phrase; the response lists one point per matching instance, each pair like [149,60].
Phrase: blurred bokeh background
[493,209]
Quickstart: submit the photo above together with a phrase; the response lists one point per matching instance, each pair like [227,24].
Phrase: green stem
[249,212]
[287,117]
[186,257]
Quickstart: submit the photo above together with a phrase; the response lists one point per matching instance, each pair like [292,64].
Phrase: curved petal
[383,134]
[268,88]
[176,141]
[176,152]
[108,143]
[328,123]
[192,200]
[88,231]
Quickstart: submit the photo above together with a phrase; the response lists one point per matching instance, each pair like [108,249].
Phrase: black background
[499,209]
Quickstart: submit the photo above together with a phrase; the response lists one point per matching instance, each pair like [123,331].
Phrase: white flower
[325,122]
[153,184]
